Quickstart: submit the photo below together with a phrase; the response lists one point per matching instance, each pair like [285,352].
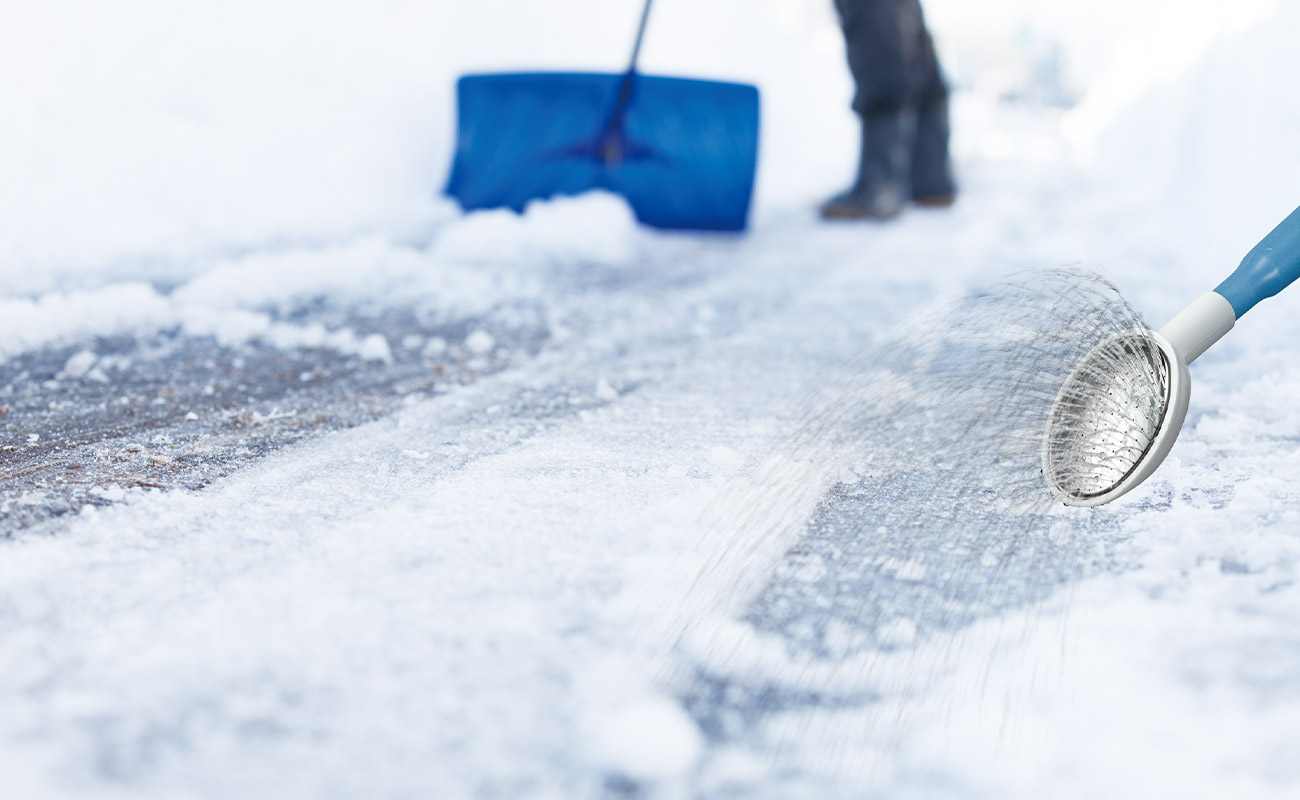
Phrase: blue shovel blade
[686,159]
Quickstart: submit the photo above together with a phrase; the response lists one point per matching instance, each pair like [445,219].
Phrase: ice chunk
[375,348]
[79,365]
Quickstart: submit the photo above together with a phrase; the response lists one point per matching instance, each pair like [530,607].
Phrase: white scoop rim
[1183,339]
[1179,394]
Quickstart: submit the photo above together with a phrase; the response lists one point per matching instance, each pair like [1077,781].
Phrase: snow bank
[57,317]
[235,301]
[1204,144]
[475,262]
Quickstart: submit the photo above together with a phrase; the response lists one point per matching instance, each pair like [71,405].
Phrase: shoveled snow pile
[474,263]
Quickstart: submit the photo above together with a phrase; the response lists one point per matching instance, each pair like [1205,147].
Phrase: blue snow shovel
[681,151]
[1118,413]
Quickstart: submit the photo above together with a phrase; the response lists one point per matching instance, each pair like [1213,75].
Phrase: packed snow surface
[328,490]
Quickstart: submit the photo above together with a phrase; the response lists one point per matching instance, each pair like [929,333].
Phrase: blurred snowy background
[313,486]
[146,137]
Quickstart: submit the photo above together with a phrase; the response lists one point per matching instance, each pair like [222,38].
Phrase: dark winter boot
[932,182]
[883,184]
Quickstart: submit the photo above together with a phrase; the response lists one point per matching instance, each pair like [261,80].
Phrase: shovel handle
[640,35]
[611,140]
[1271,266]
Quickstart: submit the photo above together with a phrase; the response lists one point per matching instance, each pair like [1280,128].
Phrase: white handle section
[1199,325]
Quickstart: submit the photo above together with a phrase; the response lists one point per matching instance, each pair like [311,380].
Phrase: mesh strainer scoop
[1119,411]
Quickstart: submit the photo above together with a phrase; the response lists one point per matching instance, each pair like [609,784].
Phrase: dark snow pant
[894,66]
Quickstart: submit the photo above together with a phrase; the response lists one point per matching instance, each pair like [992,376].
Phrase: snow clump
[593,228]
[649,739]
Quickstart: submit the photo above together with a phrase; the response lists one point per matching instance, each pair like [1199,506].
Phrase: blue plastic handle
[1271,266]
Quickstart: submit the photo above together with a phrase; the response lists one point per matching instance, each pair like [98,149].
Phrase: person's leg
[932,181]
[884,43]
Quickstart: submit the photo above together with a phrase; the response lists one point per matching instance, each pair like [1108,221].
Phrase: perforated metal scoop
[1115,418]
[1120,409]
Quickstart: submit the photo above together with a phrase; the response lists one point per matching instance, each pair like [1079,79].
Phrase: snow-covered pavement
[644,559]
[557,507]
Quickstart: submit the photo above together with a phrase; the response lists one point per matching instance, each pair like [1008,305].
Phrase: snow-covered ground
[312,486]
